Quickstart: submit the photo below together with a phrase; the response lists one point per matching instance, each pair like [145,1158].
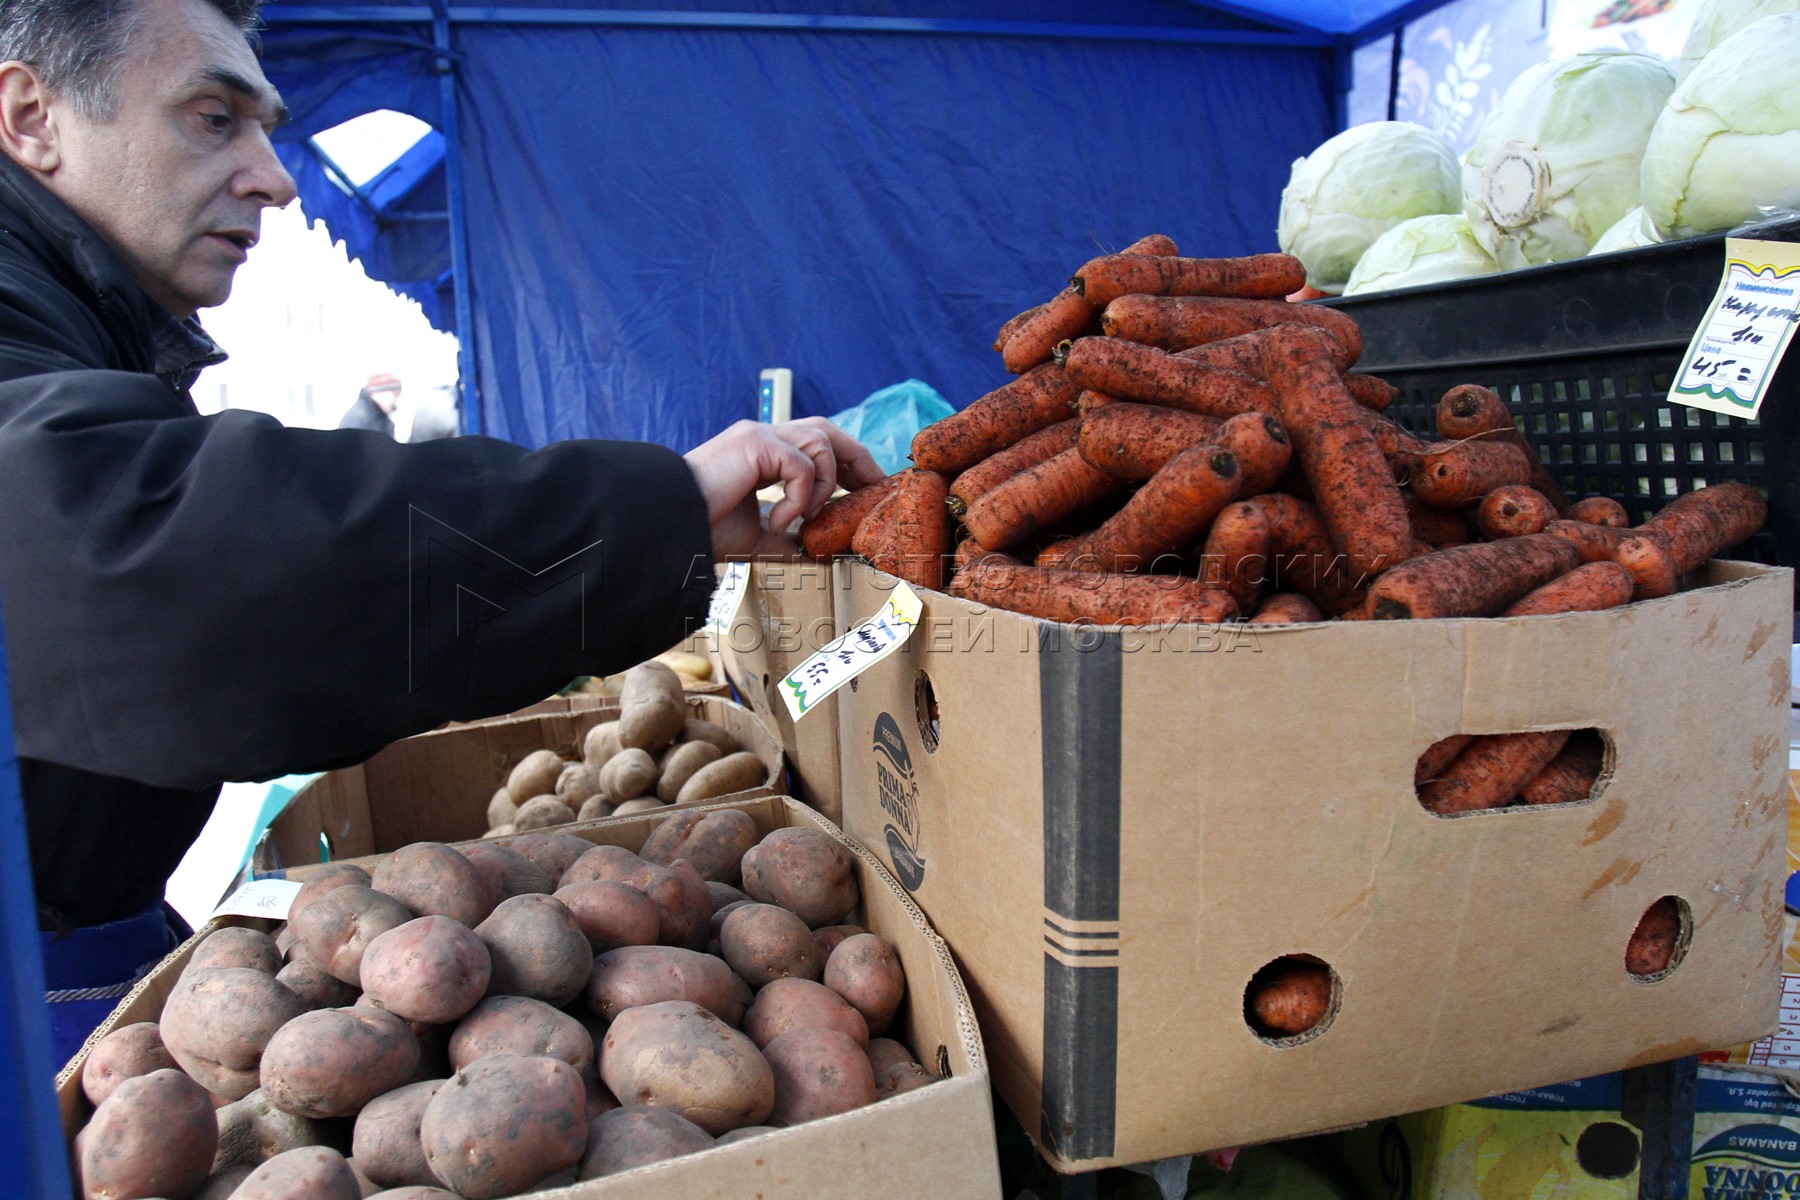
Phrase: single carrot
[1399,446]
[1302,556]
[1135,441]
[1079,596]
[1454,474]
[1599,510]
[1011,325]
[874,537]
[1243,353]
[1262,447]
[1036,498]
[1160,244]
[1472,411]
[1035,400]
[1594,543]
[1588,588]
[1293,1000]
[1476,580]
[1092,402]
[1260,276]
[1287,608]
[1236,554]
[1435,527]
[1371,391]
[1129,371]
[1066,316]
[1351,481]
[1490,771]
[1571,775]
[996,468]
[1653,942]
[1513,511]
[1703,524]
[1165,516]
[922,530]
[1651,567]
[829,532]
[1178,322]
[1439,755]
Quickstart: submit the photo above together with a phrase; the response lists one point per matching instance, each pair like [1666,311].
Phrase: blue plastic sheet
[887,421]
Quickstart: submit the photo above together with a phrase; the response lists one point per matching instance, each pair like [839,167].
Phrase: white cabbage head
[1555,164]
[1421,250]
[1728,142]
[1357,186]
[1717,20]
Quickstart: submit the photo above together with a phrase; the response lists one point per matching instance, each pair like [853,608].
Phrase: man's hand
[809,458]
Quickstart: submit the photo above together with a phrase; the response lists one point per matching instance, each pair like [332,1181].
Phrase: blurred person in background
[436,417]
[374,406]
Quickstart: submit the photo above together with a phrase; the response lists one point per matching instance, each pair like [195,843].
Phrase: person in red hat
[374,407]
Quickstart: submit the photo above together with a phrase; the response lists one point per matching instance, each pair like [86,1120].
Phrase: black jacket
[190,600]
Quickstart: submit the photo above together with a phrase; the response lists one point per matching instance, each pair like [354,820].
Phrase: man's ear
[27,125]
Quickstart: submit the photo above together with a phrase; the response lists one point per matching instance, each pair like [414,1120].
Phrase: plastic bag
[888,419]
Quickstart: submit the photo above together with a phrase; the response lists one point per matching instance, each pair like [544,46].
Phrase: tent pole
[473,419]
[1343,79]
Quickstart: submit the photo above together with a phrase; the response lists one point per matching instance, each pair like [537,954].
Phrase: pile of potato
[654,754]
[490,1020]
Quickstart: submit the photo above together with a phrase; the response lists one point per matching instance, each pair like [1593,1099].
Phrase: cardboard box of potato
[436,787]
[1117,831]
[935,1141]
[787,615]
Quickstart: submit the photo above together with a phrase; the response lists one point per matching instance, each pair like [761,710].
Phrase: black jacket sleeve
[194,599]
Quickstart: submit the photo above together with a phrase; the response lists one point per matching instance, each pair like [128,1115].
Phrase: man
[194,599]
[374,406]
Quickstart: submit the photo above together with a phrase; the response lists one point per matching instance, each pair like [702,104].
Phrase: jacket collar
[174,350]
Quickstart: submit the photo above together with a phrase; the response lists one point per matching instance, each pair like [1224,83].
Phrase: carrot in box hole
[1292,1000]
[1036,498]
[1165,516]
[829,532]
[1066,316]
[1513,511]
[1472,411]
[995,469]
[1653,942]
[1035,400]
[1439,755]
[1129,371]
[1476,580]
[1104,279]
[1352,483]
[1135,441]
[1177,322]
[1080,596]
[1571,775]
[1490,771]
[1588,588]
[1236,555]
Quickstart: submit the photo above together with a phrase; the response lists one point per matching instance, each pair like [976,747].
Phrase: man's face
[177,179]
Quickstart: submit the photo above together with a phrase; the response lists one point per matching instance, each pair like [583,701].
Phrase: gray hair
[80,48]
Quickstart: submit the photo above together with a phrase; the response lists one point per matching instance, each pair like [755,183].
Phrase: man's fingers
[797,472]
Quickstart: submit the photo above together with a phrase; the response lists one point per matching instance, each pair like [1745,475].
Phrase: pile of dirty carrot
[1182,444]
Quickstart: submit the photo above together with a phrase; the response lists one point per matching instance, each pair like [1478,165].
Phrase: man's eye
[217,122]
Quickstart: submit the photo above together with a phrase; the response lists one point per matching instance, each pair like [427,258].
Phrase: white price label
[269,898]
[1741,339]
[853,653]
[728,597]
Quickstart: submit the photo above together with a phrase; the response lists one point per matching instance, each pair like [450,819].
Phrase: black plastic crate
[1583,353]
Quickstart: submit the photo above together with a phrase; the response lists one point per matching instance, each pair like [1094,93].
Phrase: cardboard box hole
[925,707]
[1660,941]
[1292,999]
[1476,773]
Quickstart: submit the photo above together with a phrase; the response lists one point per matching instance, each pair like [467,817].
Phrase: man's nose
[265,179]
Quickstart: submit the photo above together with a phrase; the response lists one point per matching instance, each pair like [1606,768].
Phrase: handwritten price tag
[269,898]
[853,653]
[728,597]
[1740,341]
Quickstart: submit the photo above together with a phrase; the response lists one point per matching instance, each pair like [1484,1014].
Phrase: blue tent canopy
[626,214]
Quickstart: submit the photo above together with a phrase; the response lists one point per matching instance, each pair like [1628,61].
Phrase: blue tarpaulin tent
[626,214]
